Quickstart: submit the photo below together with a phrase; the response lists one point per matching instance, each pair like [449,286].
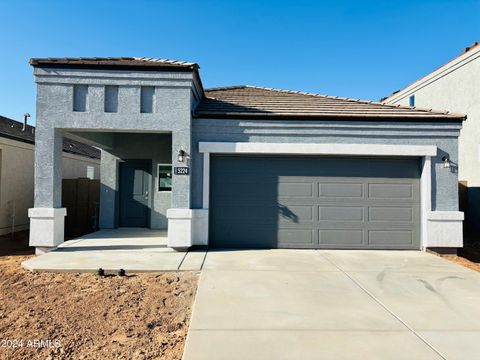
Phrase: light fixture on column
[181,156]
[446,162]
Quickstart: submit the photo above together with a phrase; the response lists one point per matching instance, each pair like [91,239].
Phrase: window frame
[142,97]
[111,87]
[411,100]
[74,93]
[92,169]
[158,176]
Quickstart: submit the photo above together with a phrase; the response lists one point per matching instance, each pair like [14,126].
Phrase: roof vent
[25,119]
[468,48]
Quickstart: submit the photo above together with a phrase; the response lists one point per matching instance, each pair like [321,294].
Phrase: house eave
[272,117]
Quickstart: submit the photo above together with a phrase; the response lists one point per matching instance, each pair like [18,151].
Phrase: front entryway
[315,202]
[135,192]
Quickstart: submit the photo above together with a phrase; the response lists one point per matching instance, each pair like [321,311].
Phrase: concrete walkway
[131,249]
[304,304]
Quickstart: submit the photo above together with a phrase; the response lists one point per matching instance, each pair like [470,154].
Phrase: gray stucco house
[244,166]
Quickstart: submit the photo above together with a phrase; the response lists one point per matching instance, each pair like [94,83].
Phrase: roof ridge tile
[111,61]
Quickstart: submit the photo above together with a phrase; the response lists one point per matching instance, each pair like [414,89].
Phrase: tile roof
[14,130]
[115,62]
[264,103]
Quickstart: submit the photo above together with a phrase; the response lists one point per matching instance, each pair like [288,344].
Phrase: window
[146,99]
[164,177]
[111,99]
[91,172]
[412,100]
[80,93]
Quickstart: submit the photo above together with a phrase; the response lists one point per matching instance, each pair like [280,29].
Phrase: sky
[357,49]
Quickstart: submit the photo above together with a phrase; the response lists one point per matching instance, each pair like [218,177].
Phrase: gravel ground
[82,316]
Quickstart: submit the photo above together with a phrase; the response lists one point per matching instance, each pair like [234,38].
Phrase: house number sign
[178,170]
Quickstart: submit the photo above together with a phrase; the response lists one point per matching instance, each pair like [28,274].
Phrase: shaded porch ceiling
[106,140]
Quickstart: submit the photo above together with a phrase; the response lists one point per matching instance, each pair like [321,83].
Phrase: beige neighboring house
[17,145]
[455,87]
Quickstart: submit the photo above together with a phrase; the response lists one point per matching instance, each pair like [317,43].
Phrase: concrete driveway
[306,304]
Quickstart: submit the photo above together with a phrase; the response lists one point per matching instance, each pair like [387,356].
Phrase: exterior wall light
[181,156]
[446,162]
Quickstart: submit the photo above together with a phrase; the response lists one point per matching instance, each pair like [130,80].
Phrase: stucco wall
[156,147]
[17,178]
[172,114]
[75,166]
[443,135]
[455,88]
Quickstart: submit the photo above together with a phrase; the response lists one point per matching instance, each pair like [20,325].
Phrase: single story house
[244,166]
[17,145]
[455,87]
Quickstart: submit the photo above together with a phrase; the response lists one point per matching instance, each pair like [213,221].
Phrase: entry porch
[130,249]
[138,187]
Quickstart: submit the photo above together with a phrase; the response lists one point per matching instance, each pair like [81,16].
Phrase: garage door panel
[296,237]
[296,214]
[340,213]
[315,202]
[395,214]
[232,213]
[297,189]
[261,236]
[341,190]
[265,213]
[390,237]
[240,235]
[250,191]
[389,191]
[341,237]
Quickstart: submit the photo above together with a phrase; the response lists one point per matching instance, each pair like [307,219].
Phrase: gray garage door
[344,203]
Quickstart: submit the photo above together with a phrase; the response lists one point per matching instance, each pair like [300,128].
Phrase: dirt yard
[468,256]
[463,261]
[141,316]
[72,316]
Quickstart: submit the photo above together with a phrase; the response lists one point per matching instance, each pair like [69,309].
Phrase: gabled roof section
[12,129]
[252,102]
[468,54]
[119,63]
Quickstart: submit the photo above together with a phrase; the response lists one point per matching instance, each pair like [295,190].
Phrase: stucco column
[47,218]
[108,190]
[186,226]
[181,140]
[179,215]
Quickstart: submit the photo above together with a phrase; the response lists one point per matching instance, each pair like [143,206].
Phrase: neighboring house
[455,86]
[17,170]
[244,166]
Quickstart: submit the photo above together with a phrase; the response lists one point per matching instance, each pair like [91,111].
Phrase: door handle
[146,194]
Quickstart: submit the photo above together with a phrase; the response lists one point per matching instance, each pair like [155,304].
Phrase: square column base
[47,227]
[187,227]
[445,229]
